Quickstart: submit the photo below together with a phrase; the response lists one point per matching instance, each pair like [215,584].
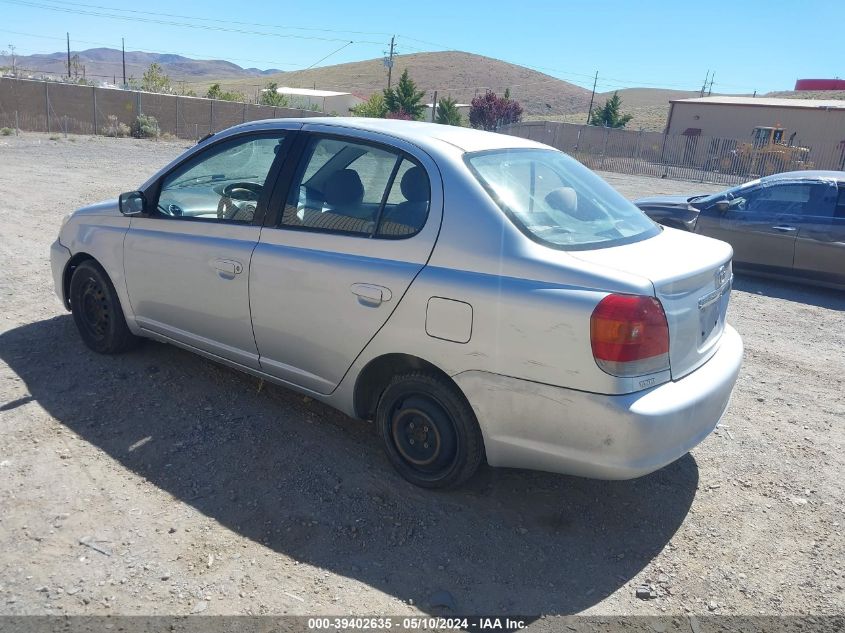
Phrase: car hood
[106,207]
[664,202]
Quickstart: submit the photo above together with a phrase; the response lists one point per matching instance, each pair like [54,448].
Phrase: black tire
[429,431]
[97,312]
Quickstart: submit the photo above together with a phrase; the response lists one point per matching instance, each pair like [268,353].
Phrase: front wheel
[97,312]
[429,431]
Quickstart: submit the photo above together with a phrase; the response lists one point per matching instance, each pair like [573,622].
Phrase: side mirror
[722,206]
[132,202]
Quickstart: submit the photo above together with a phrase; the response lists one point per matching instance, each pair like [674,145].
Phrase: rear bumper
[59,257]
[540,427]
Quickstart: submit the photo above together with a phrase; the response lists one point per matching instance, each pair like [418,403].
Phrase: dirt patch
[159,483]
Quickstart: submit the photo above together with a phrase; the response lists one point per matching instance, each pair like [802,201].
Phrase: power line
[223,21]
[202,27]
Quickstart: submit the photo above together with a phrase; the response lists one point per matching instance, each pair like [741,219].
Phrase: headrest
[343,187]
[414,185]
[563,199]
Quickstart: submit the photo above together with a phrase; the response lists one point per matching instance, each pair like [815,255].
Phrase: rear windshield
[557,201]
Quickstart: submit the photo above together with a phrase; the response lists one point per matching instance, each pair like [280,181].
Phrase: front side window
[557,201]
[797,199]
[223,183]
[357,189]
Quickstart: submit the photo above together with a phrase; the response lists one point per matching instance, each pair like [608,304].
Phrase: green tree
[405,98]
[155,80]
[610,115]
[216,92]
[447,112]
[270,97]
[373,108]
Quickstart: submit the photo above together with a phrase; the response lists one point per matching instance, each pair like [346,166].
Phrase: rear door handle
[784,228]
[371,293]
[228,267]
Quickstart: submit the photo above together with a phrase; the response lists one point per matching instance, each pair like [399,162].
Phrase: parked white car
[479,296]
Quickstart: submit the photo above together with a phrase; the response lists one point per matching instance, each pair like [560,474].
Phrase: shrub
[405,99]
[373,107]
[489,112]
[216,92]
[115,128]
[400,114]
[6,131]
[447,112]
[145,126]
[270,97]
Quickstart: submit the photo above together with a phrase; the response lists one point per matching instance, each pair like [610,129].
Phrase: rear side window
[558,202]
[357,189]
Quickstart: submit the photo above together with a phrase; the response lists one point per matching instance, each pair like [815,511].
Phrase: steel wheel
[429,431]
[97,312]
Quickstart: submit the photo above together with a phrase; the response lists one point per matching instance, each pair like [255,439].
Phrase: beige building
[811,121]
[328,101]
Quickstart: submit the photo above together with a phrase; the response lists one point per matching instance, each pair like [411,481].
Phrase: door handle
[784,228]
[228,266]
[371,293]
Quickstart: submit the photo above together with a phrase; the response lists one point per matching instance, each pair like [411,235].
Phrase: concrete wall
[813,125]
[42,106]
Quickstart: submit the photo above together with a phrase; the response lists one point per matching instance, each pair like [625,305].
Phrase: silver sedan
[479,296]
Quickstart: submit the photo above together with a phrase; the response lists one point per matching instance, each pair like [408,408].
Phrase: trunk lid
[692,279]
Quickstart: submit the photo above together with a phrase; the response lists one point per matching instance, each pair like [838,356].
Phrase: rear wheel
[97,312]
[429,431]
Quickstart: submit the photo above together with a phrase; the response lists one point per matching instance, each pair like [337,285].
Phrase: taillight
[629,335]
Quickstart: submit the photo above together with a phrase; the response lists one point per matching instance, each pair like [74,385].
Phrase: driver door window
[224,183]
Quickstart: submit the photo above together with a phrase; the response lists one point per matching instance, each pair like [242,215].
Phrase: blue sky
[748,45]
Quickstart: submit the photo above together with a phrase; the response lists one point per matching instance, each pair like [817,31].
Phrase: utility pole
[14,65]
[123,55]
[704,85]
[389,62]
[68,55]
[710,90]
[592,96]
[434,106]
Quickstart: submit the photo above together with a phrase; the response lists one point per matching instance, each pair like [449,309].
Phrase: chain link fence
[52,107]
[726,161]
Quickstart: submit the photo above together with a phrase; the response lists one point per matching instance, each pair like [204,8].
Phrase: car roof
[416,132]
[810,174]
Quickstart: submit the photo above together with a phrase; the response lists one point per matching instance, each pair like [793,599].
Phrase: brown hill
[106,64]
[455,74]
[648,106]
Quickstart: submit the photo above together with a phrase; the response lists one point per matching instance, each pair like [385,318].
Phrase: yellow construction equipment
[767,154]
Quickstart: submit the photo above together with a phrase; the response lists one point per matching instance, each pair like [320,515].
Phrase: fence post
[637,148]
[604,148]
[94,93]
[47,103]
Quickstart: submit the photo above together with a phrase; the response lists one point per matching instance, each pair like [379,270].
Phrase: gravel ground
[159,483]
